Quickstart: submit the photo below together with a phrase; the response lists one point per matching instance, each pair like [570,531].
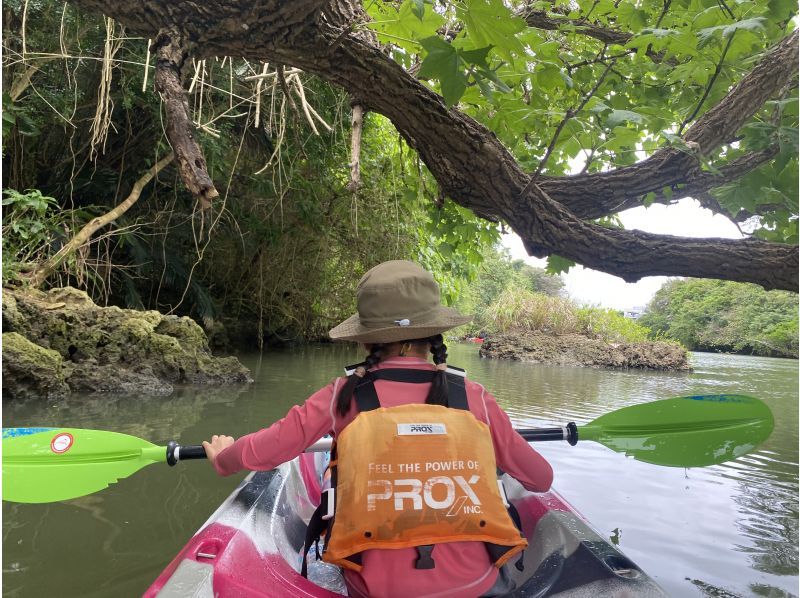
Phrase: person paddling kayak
[413,508]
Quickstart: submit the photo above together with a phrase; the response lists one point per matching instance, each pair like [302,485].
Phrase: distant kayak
[252,546]
[474,339]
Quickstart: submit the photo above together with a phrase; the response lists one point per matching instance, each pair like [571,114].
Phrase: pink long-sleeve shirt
[462,568]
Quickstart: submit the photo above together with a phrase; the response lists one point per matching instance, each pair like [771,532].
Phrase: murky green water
[726,530]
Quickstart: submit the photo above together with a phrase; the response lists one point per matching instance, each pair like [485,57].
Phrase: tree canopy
[649,101]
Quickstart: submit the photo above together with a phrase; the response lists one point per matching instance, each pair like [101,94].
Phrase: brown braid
[345,396]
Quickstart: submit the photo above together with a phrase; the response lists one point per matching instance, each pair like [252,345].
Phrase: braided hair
[345,396]
[438,393]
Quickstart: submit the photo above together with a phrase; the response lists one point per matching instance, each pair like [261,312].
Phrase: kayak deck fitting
[252,546]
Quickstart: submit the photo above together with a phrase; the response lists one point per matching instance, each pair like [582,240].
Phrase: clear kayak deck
[252,547]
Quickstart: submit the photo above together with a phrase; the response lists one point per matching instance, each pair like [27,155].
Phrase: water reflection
[746,507]
[153,418]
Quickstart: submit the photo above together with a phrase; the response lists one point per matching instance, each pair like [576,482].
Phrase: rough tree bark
[172,51]
[471,166]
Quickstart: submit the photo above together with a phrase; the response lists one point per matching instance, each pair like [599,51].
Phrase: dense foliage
[498,274]
[713,315]
[278,256]
[639,95]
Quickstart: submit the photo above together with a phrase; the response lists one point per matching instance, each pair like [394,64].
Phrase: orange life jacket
[416,476]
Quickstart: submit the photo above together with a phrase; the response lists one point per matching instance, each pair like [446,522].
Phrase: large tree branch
[632,255]
[627,186]
[468,161]
[699,182]
[594,195]
[542,20]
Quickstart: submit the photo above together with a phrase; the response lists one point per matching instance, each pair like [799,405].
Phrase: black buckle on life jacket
[425,557]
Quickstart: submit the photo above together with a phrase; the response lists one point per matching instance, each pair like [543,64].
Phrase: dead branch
[171,53]
[355,148]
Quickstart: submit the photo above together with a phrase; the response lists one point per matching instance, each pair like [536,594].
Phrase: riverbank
[583,351]
[59,342]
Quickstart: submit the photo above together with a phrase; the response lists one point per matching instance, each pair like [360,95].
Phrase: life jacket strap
[316,527]
[366,398]
[388,372]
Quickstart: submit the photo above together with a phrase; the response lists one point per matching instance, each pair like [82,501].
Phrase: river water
[724,531]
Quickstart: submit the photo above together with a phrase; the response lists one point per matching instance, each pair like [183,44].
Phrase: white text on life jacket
[410,493]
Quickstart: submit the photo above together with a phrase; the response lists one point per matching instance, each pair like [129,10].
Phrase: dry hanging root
[171,53]
[105,106]
[355,148]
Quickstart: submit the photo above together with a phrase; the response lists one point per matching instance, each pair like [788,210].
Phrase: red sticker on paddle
[61,443]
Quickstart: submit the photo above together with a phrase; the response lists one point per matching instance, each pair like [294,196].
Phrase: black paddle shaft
[568,433]
[176,452]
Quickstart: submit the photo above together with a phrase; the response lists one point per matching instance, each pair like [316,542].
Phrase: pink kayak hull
[251,547]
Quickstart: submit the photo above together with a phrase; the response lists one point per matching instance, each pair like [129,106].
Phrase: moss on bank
[62,335]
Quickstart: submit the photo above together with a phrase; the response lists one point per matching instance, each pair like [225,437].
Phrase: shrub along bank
[533,327]
[728,317]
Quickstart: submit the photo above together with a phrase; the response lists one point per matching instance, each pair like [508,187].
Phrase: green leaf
[756,24]
[707,35]
[649,199]
[630,17]
[418,8]
[400,25]
[620,116]
[498,83]
[547,50]
[443,63]
[491,23]
[549,77]
[558,265]
[656,39]
[476,57]
[596,105]
[622,137]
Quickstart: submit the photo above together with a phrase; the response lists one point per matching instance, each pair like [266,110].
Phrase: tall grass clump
[519,311]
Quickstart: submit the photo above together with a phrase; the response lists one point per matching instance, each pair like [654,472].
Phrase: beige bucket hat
[397,301]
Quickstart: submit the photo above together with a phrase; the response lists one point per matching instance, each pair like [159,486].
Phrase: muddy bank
[579,350]
[60,341]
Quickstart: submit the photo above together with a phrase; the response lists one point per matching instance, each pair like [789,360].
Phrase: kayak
[252,546]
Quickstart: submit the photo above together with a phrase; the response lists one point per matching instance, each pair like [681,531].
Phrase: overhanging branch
[633,254]
[468,161]
[171,52]
[594,195]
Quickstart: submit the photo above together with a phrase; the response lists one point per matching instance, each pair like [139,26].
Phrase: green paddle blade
[685,431]
[51,464]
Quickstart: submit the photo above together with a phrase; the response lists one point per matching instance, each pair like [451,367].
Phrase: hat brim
[444,318]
